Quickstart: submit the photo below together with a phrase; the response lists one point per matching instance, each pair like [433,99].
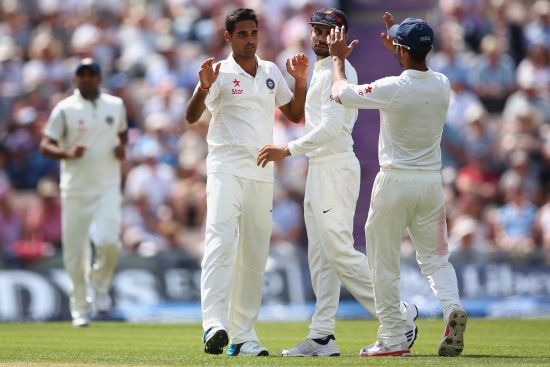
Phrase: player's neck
[91,96]
[250,65]
[416,66]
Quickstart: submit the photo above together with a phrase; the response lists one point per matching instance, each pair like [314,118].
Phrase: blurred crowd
[496,144]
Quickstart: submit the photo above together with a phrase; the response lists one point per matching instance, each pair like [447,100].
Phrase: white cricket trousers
[332,189]
[412,200]
[238,231]
[78,214]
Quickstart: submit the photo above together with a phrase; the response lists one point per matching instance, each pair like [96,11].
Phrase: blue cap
[414,33]
[88,63]
[331,17]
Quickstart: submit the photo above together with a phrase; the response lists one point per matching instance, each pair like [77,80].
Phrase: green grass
[488,343]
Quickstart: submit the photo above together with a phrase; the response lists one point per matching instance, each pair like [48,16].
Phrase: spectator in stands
[538,30]
[515,222]
[492,74]
[530,96]
[11,221]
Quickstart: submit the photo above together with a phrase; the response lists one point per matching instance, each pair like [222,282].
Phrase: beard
[321,52]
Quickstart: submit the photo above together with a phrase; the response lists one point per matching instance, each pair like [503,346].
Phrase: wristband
[206,89]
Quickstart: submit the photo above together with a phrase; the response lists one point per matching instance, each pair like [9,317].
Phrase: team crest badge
[270,83]
[109,120]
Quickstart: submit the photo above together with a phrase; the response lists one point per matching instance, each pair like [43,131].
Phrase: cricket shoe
[453,339]
[247,349]
[411,311]
[215,339]
[321,347]
[103,302]
[81,321]
[379,349]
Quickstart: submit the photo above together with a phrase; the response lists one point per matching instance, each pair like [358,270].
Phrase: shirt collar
[323,62]
[77,93]
[418,74]
[237,68]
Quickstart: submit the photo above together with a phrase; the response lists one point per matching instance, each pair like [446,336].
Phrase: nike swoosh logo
[326,211]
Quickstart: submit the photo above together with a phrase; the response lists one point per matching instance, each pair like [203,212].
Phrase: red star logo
[368,89]
[236,83]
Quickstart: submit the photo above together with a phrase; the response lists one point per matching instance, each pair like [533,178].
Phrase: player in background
[87,132]
[241,93]
[332,189]
[407,192]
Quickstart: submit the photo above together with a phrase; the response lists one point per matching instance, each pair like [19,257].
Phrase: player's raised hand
[208,73]
[386,39]
[337,43]
[272,153]
[298,66]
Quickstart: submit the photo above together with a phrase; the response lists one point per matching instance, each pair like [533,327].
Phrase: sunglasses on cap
[330,18]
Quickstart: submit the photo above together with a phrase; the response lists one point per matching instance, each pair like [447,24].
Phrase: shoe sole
[216,343]
[311,355]
[399,353]
[453,344]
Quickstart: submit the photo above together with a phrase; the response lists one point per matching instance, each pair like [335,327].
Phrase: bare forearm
[297,104]
[338,70]
[196,105]
[53,151]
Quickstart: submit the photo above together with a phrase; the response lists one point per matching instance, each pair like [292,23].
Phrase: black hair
[418,55]
[237,15]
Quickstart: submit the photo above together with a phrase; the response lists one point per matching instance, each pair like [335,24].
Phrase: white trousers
[332,190]
[238,230]
[411,200]
[78,215]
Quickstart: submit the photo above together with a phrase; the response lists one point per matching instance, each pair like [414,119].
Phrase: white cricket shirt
[328,124]
[243,112]
[413,107]
[97,125]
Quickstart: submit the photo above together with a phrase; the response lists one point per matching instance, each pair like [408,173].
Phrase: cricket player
[87,132]
[242,93]
[332,189]
[407,192]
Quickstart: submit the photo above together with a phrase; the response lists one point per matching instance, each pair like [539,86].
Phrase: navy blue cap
[414,33]
[88,63]
[331,17]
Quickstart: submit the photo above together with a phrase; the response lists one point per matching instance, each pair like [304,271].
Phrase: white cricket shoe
[103,302]
[379,349]
[322,347]
[81,321]
[411,330]
[247,349]
[453,338]
[215,339]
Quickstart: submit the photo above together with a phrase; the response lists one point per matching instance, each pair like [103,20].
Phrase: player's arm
[208,74]
[50,148]
[339,51]
[54,130]
[120,148]
[332,124]
[297,67]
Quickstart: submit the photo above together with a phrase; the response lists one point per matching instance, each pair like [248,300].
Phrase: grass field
[488,343]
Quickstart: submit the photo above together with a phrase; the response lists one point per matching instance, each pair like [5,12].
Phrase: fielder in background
[241,93]
[332,190]
[407,192]
[87,132]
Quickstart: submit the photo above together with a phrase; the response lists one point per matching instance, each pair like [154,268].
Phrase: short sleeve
[55,127]
[212,98]
[123,121]
[283,94]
